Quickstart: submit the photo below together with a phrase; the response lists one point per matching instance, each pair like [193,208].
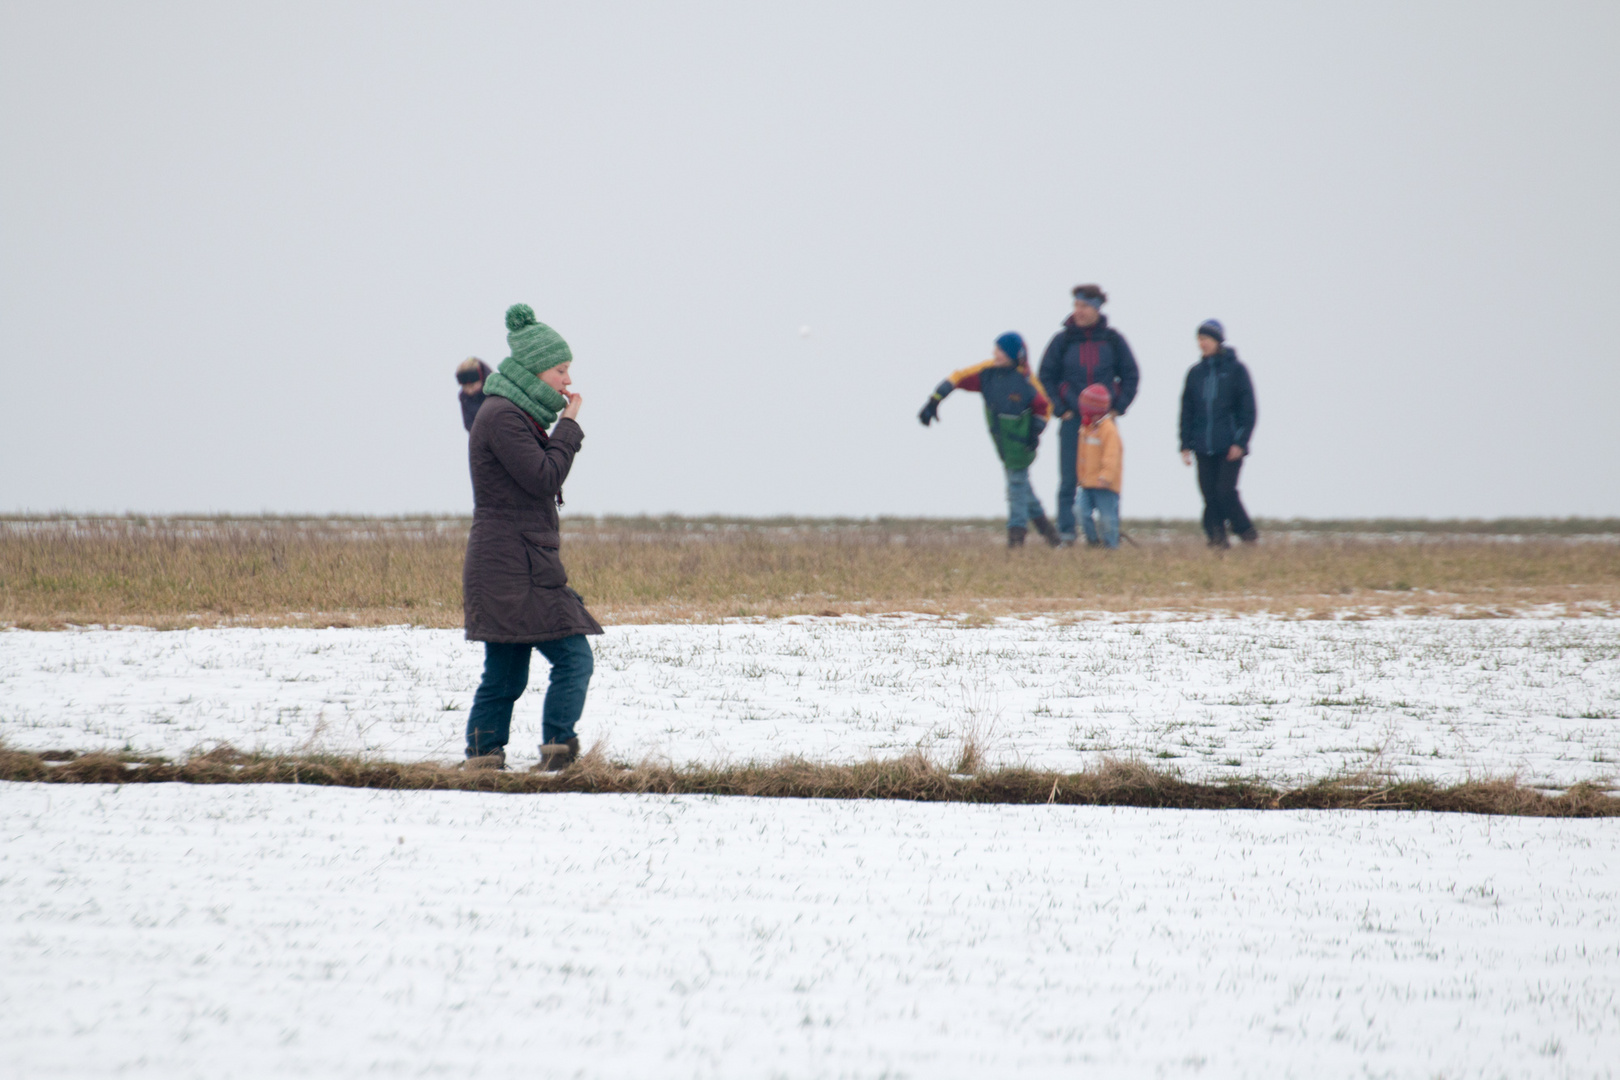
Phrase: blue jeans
[506,676]
[1068,474]
[1106,504]
[1021,501]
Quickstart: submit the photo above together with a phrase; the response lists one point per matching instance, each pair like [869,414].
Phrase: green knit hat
[535,347]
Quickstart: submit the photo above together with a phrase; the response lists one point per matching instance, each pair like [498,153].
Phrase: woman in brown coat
[514,588]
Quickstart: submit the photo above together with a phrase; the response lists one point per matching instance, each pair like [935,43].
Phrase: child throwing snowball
[1016,409]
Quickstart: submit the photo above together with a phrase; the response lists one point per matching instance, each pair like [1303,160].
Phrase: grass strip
[176,573]
[912,777]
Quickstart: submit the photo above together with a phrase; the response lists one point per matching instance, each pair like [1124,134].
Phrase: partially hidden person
[1217,420]
[1101,461]
[1016,410]
[515,591]
[1085,352]
[470,374]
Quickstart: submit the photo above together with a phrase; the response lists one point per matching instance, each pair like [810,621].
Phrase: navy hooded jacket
[1079,356]
[1217,405]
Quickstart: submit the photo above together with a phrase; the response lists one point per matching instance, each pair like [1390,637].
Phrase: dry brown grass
[912,777]
[266,571]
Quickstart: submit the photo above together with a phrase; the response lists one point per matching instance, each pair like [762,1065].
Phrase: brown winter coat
[514,587]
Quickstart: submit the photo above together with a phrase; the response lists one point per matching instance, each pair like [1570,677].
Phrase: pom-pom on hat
[1212,328]
[1013,345]
[535,346]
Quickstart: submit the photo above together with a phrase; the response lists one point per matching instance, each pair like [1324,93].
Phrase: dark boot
[1015,536]
[1044,526]
[554,757]
[495,759]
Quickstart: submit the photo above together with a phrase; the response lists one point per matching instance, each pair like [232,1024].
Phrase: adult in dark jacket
[514,589]
[1087,350]
[471,373]
[1217,421]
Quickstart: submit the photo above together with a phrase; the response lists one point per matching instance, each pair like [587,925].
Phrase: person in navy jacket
[1217,421]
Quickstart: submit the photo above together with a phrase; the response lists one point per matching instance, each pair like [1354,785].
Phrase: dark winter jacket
[514,587]
[1217,405]
[470,402]
[1079,356]
[1015,408]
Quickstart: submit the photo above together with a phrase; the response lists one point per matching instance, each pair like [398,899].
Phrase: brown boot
[555,757]
[1015,536]
[1048,531]
[495,759]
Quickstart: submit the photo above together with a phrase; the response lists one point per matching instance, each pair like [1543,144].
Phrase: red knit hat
[1094,401]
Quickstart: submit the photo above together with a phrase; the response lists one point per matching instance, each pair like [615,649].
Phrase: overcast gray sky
[242,247]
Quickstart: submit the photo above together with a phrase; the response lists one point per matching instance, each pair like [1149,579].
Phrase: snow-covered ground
[178,931]
[1283,700]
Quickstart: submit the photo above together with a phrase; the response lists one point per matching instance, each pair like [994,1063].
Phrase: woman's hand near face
[572,411]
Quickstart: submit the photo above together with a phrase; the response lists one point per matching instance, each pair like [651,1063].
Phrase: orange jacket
[1101,455]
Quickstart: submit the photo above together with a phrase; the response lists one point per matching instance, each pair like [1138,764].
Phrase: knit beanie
[1094,401]
[535,347]
[1213,328]
[1013,345]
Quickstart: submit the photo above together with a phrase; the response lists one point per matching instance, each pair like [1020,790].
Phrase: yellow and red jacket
[1102,455]
[1011,391]
[1016,407]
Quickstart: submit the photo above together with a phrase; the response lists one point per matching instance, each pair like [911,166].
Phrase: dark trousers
[506,676]
[1217,481]
[1068,474]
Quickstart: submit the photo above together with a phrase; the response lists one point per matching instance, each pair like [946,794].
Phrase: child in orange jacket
[1099,464]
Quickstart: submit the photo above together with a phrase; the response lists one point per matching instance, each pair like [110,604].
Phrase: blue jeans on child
[506,676]
[1021,501]
[1106,504]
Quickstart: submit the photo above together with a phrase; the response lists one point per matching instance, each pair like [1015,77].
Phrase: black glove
[930,411]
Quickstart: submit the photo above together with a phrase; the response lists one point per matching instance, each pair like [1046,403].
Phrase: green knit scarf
[536,347]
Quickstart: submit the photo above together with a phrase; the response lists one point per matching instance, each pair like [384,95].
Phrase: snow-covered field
[1283,700]
[174,930]
[182,931]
